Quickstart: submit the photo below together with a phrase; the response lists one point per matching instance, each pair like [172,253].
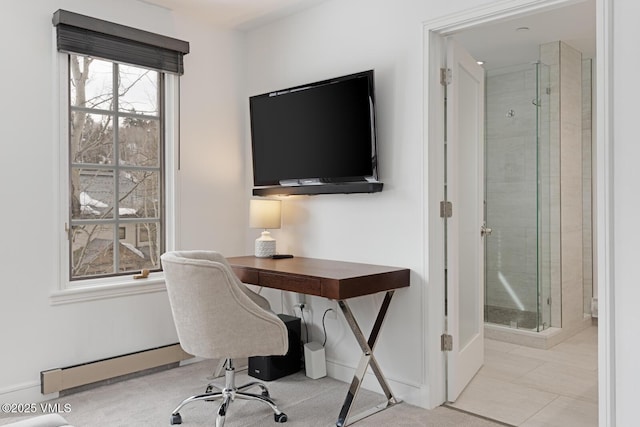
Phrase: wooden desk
[330,279]
[335,280]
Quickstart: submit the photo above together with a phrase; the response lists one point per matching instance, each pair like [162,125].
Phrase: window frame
[67,290]
[116,220]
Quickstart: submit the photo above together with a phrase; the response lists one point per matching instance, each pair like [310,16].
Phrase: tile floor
[528,387]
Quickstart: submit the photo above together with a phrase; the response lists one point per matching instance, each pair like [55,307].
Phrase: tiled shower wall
[511,189]
[565,65]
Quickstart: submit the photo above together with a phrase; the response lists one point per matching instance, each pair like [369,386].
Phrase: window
[115,168]
[119,134]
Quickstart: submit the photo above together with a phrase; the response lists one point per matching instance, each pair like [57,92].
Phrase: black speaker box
[269,368]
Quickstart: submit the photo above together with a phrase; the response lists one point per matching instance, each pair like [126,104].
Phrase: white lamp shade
[264,214]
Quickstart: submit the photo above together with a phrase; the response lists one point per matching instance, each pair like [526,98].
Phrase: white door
[465,190]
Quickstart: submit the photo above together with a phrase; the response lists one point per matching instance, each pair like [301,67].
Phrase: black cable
[324,329]
[306,329]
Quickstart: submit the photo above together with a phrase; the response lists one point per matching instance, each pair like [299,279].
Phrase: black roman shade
[94,37]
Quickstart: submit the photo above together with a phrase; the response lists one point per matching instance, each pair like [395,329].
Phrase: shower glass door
[518,191]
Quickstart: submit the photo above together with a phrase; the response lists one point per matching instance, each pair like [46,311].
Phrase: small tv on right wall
[316,138]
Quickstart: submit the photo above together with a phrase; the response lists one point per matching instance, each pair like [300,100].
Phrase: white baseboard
[412,393]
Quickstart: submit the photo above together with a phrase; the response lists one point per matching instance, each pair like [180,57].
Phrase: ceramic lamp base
[265,245]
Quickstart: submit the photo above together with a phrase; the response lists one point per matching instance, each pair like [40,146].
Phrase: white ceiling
[498,44]
[240,14]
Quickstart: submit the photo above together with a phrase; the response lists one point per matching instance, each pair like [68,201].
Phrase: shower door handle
[485,231]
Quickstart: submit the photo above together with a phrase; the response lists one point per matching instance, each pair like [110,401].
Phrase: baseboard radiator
[61,379]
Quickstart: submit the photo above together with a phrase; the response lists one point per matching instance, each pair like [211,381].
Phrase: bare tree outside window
[116,172]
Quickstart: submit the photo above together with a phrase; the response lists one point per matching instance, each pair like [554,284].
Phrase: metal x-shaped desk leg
[366,360]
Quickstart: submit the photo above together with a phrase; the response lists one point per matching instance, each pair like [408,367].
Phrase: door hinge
[446,209]
[446,342]
[445,76]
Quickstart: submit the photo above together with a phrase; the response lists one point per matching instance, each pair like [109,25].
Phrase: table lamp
[264,214]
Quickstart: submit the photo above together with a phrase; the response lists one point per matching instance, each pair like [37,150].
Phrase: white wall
[338,38]
[214,202]
[36,335]
[625,176]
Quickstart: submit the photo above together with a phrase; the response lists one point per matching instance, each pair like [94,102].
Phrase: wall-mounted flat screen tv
[314,134]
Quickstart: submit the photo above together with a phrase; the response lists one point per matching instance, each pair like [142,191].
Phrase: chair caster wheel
[208,390]
[175,419]
[280,418]
[265,393]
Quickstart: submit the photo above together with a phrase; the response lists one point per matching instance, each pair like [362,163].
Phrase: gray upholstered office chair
[218,317]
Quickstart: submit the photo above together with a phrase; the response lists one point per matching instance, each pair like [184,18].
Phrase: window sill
[104,289]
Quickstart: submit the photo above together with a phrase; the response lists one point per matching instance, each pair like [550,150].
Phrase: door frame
[434,32]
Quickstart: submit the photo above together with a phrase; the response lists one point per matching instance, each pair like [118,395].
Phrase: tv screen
[323,132]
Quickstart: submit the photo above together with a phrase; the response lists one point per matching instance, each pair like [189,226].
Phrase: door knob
[485,231]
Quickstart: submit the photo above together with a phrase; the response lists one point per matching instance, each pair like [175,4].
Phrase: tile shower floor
[524,386]
[511,317]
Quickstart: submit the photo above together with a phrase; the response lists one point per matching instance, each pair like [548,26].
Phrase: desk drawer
[301,284]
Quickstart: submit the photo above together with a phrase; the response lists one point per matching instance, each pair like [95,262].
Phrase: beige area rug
[148,401]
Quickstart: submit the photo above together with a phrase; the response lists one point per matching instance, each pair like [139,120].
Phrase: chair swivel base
[228,394]
[177,418]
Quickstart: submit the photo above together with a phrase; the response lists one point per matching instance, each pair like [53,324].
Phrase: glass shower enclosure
[519,190]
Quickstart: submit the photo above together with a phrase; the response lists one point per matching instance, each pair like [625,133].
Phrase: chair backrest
[214,316]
